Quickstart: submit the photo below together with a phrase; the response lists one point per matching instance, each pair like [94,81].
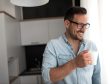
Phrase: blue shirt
[59,51]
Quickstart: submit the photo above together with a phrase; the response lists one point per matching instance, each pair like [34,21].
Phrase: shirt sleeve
[49,61]
[96,78]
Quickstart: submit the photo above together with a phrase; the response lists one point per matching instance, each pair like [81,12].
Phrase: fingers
[84,59]
[85,55]
[87,58]
[88,62]
[83,52]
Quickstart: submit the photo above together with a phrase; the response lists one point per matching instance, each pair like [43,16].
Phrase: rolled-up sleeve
[49,61]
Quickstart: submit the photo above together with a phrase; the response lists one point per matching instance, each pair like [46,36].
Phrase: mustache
[81,31]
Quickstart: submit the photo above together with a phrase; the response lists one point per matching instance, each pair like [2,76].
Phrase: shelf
[33,71]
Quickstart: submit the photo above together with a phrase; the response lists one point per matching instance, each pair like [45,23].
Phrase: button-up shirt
[59,51]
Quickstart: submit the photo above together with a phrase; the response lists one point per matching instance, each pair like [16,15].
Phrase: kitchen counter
[33,71]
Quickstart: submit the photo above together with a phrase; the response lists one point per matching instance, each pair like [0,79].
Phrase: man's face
[76,27]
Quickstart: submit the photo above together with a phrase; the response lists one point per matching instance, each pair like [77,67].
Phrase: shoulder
[56,41]
[91,44]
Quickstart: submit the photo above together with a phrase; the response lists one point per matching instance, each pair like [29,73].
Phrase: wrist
[73,64]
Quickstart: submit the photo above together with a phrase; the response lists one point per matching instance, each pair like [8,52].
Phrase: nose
[82,30]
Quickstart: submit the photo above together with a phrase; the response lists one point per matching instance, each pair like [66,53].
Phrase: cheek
[73,31]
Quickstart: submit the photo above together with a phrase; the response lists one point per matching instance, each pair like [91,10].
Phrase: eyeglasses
[81,25]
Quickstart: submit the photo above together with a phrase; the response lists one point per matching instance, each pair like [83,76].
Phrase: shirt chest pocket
[62,59]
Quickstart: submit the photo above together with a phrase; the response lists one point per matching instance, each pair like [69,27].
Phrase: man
[67,59]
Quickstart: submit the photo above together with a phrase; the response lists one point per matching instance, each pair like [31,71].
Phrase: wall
[3,54]
[13,40]
[11,9]
[10,47]
[6,6]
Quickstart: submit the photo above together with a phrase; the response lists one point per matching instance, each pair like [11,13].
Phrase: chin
[78,39]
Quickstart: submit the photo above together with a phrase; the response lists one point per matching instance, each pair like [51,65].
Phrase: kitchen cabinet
[41,31]
[11,53]
[34,32]
[29,79]
[56,27]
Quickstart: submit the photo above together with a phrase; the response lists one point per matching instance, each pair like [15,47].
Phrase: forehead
[80,17]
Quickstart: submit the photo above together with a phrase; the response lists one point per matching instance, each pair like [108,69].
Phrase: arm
[51,73]
[59,73]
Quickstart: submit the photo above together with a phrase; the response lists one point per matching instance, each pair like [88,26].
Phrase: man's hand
[83,59]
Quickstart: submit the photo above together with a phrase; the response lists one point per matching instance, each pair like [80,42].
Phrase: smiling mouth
[81,33]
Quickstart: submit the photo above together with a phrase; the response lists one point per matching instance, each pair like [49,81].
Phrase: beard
[79,35]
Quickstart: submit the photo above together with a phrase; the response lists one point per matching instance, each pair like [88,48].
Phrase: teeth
[81,33]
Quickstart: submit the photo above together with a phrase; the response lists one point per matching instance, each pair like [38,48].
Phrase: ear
[67,23]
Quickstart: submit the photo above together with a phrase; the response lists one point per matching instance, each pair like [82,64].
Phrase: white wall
[4,79]
[13,39]
[1,6]
[10,46]
[6,6]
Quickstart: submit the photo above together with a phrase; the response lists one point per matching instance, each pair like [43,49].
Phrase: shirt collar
[66,40]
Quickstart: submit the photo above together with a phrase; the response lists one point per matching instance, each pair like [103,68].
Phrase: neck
[74,43]
[72,40]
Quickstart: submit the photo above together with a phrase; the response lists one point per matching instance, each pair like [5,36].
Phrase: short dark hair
[74,10]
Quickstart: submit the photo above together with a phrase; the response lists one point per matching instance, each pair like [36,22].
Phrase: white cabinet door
[56,27]
[34,32]
[28,79]
[31,79]
[40,31]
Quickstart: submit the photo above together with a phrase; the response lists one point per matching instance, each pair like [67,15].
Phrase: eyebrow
[79,22]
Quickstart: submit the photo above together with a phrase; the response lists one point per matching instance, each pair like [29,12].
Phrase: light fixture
[29,3]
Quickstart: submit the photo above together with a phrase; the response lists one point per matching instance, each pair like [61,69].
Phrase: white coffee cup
[94,55]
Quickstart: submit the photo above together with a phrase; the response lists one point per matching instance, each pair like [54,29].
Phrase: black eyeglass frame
[81,25]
